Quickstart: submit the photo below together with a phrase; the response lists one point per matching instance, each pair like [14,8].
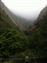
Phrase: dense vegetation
[11,41]
[40,36]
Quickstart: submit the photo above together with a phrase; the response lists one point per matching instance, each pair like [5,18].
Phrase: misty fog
[28,9]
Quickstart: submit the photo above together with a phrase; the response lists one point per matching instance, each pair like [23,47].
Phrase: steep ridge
[40,20]
[43,13]
[40,33]
[11,38]
[5,20]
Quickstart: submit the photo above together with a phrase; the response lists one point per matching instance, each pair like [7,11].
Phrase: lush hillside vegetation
[37,35]
[40,35]
[12,40]
[11,37]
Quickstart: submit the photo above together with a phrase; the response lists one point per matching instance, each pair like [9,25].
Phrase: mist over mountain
[16,20]
[28,9]
[39,21]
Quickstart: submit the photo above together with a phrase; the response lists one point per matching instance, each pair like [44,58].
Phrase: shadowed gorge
[22,41]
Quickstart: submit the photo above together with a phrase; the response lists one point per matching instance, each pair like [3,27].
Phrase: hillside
[17,20]
[12,39]
[40,20]
[37,34]
[5,20]
[40,33]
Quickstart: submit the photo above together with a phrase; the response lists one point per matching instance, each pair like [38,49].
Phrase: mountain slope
[40,20]
[11,38]
[17,20]
[43,13]
[5,20]
[22,23]
[40,33]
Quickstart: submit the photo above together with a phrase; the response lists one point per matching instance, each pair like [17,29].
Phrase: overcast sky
[26,8]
